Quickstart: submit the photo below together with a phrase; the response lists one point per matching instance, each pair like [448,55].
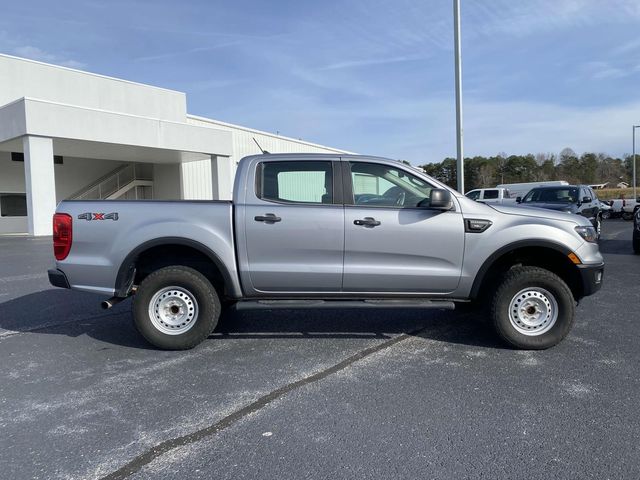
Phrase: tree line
[484,172]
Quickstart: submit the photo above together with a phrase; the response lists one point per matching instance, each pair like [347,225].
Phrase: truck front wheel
[532,308]
[175,308]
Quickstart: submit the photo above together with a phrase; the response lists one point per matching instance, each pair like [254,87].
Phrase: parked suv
[578,199]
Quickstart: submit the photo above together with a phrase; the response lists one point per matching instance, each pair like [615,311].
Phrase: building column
[222,177]
[195,180]
[40,184]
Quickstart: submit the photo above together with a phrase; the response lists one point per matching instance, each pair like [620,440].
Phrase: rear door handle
[269,218]
[367,222]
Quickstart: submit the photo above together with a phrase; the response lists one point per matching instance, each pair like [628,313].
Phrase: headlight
[587,233]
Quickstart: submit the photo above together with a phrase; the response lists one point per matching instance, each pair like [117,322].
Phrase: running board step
[367,303]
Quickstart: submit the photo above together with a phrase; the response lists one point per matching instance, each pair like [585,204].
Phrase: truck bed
[105,233]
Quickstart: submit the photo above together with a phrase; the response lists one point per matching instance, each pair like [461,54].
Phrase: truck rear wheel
[176,308]
[532,308]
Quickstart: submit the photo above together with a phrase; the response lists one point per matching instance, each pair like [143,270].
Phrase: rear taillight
[62,235]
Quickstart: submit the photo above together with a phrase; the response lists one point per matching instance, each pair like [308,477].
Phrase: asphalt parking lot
[321,394]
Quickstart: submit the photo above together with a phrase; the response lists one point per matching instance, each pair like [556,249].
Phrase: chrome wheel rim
[533,311]
[173,310]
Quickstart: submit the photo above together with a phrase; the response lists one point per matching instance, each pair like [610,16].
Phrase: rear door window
[296,182]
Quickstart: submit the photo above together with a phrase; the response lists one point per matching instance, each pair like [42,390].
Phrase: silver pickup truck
[315,230]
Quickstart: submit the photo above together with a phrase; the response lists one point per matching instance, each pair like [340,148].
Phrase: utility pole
[635,193]
[460,154]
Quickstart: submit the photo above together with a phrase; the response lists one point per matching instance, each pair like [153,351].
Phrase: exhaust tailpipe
[107,304]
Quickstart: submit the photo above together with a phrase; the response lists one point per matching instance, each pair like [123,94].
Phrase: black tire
[197,295]
[521,278]
[636,243]
[606,215]
[627,216]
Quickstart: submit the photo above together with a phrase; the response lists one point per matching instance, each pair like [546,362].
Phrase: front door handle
[367,222]
[269,218]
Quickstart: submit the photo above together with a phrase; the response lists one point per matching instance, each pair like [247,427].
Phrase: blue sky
[369,76]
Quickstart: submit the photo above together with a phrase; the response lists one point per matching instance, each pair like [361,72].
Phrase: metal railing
[114,181]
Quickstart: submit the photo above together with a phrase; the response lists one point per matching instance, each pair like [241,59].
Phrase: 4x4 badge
[98,216]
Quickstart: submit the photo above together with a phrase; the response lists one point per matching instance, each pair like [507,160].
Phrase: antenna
[263,151]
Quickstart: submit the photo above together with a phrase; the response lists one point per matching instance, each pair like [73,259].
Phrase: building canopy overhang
[91,133]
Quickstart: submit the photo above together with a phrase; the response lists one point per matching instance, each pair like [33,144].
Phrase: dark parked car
[578,199]
[636,232]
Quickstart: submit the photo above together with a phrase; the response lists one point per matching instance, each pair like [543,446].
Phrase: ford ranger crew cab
[318,230]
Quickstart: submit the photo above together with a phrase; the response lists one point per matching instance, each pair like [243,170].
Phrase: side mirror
[518,199]
[440,199]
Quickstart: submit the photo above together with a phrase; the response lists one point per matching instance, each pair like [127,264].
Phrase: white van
[490,195]
[521,189]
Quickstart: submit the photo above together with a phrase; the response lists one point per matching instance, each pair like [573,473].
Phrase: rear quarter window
[491,194]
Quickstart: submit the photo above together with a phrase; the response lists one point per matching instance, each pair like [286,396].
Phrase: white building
[69,134]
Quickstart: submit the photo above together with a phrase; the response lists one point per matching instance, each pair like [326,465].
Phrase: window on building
[13,205]
[296,182]
[19,157]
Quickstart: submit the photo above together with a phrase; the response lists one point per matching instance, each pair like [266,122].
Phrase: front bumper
[592,277]
[57,278]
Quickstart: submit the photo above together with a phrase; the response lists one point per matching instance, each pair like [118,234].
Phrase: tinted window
[296,182]
[559,195]
[590,193]
[383,186]
[490,194]
[13,205]
[473,194]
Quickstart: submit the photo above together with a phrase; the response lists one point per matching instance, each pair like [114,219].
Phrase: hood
[538,212]
[561,207]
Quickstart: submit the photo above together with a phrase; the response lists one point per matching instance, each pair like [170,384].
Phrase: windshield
[552,195]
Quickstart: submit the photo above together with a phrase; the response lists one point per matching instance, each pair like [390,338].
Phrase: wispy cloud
[627,47]
[188,51]
[604,70]
[236,41]
[35,53]
[366,62]
[522,18]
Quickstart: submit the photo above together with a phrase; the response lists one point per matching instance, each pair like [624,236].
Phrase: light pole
[635,194]
[460,155]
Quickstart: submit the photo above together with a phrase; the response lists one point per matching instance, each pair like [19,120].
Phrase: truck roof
[318,156]
[552,187]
